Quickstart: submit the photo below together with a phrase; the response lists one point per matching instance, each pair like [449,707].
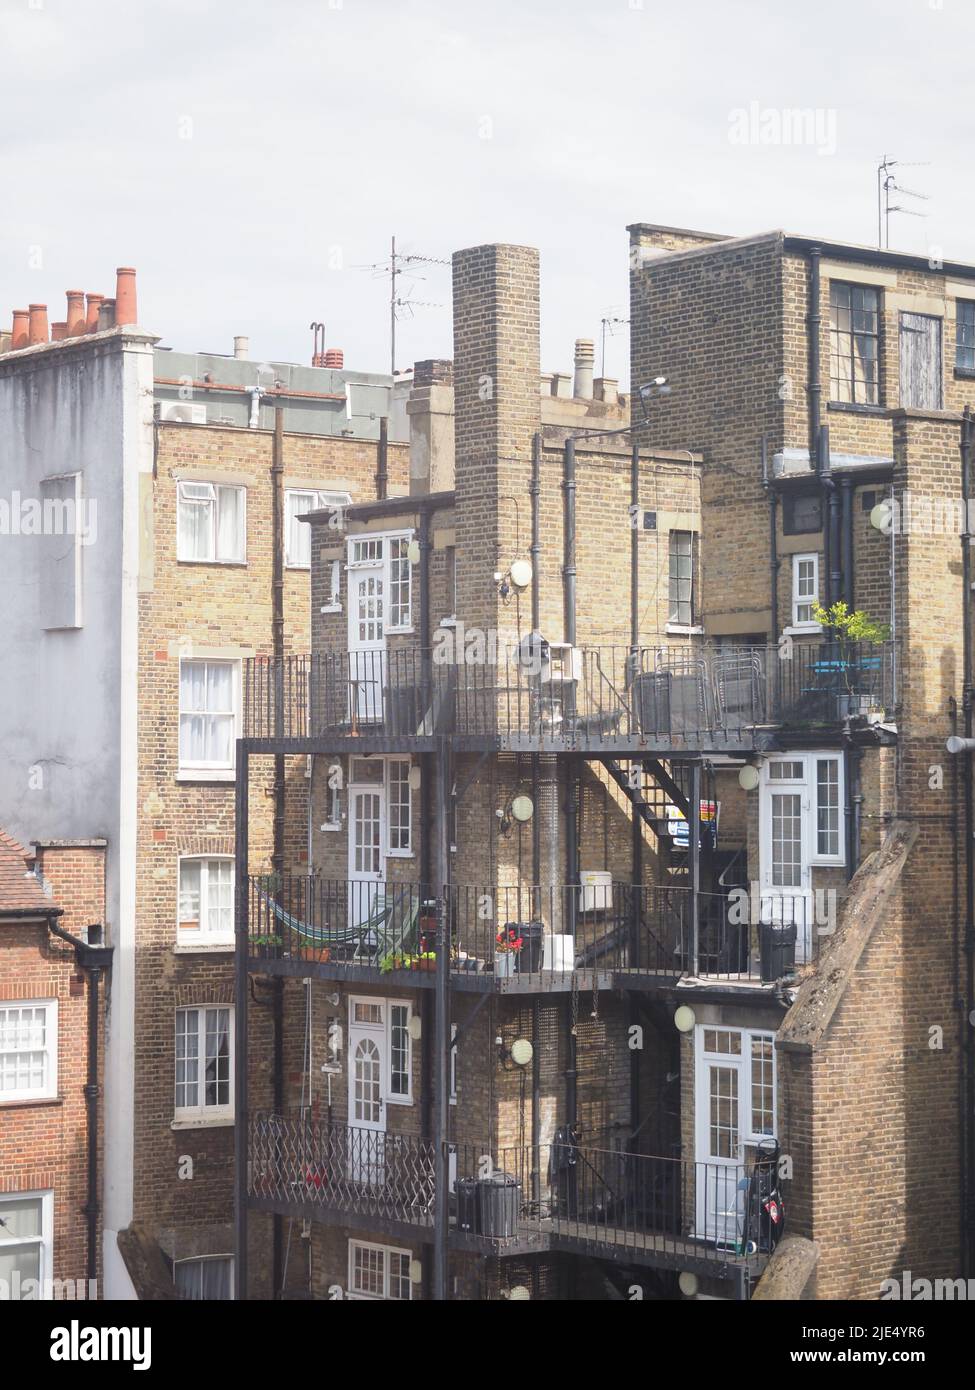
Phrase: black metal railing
[685,695]
[578,1195]
[534,935]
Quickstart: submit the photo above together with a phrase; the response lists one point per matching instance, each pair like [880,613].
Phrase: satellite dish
[521,574]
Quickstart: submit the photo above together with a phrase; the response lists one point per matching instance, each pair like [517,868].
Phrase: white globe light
[748,777]
[684,1019]
[521,1052]
[521,574]
[687,1283]
[522,808]
[519,1294]
[881,517]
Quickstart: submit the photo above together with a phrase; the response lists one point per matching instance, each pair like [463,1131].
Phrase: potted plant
[426,960]
[320,954]
[395,960]
[268,946]
[853,629]
[507,944]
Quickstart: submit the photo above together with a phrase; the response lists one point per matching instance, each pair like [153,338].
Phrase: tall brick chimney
[431,413]
[497,409]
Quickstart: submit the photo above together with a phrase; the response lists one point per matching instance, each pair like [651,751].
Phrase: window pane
[297,533]
[230,523]
[189,892]
[24,1049]
[400,581]
[399,1050]
[763,1116]
[217,1088]
[187,1058]
[194,532]
[20,1217]
[827,806]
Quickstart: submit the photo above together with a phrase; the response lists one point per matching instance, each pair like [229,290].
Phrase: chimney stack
[584,359]
[19,337]
[242,348]
[75,320]
[95,302]
[38,330]
[334,358]
[126,311]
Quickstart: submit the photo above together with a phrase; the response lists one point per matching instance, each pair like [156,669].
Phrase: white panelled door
[367,630]
[367,1088]
[367,837]
[718,1144]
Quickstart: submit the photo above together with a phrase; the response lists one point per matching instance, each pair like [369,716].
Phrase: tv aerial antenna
[393,268]
[887,186]
[610,324]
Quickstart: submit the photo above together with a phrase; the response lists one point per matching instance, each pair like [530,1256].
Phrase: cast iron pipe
[968,1175]
[93,959]
[241,1113]
[277,856]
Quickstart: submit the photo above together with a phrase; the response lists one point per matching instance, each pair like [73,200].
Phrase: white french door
[719,1147]
[367,1089]
[784,859]
[367,837]
[367,642]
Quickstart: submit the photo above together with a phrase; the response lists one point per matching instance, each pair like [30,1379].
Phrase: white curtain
[230,523]
[195,522]
[206,724]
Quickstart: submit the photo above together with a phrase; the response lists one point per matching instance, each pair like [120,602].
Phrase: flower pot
[424,965]
[504,964]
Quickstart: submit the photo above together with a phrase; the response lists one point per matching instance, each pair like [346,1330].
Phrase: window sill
[683,630]
[448,622]
[215,564]
[331,826]
[803,630]
[224,1122]
[399,631]
[207,775]
[964,373]
[855,408]
[35,1100]
[330,608]
[399,854]
[204,948]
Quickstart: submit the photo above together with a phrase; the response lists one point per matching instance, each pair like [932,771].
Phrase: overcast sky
[248,157]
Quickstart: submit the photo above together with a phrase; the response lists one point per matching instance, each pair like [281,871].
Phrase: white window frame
[216,771]
[399,853]
[202,937]
[216,488]
[749,1138]
[205,1259]
[320,499]
[452,1066]
[386,1250]
[807,787]
[45,1240]
[49,1090]
[203,1114]
[384,561]
[804,624]
[385,1030]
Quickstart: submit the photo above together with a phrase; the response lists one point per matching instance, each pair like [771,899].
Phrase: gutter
[93,959]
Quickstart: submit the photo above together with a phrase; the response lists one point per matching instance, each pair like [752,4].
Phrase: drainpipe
[241,1115]
[694,851]
[846,496]
[571,828]
[814,320]
[968,1177]
[277,860]
[93,959]
[441,1036]
[773,543]
[427,773]
[636,826]
[535,551]
[382,459]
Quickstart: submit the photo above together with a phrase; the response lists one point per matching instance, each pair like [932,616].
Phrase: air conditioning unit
[181,412]
[595,890]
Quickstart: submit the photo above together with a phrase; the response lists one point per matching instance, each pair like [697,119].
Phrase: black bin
[529,959]
[777,946]
[466,1192]
[499,1199]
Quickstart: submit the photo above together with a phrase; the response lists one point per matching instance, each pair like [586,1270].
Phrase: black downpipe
[277,856]
[968,1174]
[814,320]
[241,1113]
[441,1034]
[535,551]
[428,773]
[847,495]
[571,824]
[773,544]
[382,459]
[636,825]
[93,959]
[694,844]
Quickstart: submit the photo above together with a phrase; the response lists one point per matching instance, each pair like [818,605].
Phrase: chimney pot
[126,311]
[95,302]
[584,359]
[242,348]
[59,330]
[106,315]
[75,319]
[334,358]
[19,336]
[38,330]
[606,389]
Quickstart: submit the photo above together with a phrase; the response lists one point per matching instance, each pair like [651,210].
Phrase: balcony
[664,698]
[520,939]
[565,1196]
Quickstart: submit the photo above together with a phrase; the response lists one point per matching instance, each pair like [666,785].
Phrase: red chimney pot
[75,319]
[94,304]
[126,311]
[19,333]
[38,330]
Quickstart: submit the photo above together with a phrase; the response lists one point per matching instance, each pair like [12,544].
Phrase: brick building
[53,970]
[546,1040]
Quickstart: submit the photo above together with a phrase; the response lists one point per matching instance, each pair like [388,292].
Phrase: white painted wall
[69,698]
